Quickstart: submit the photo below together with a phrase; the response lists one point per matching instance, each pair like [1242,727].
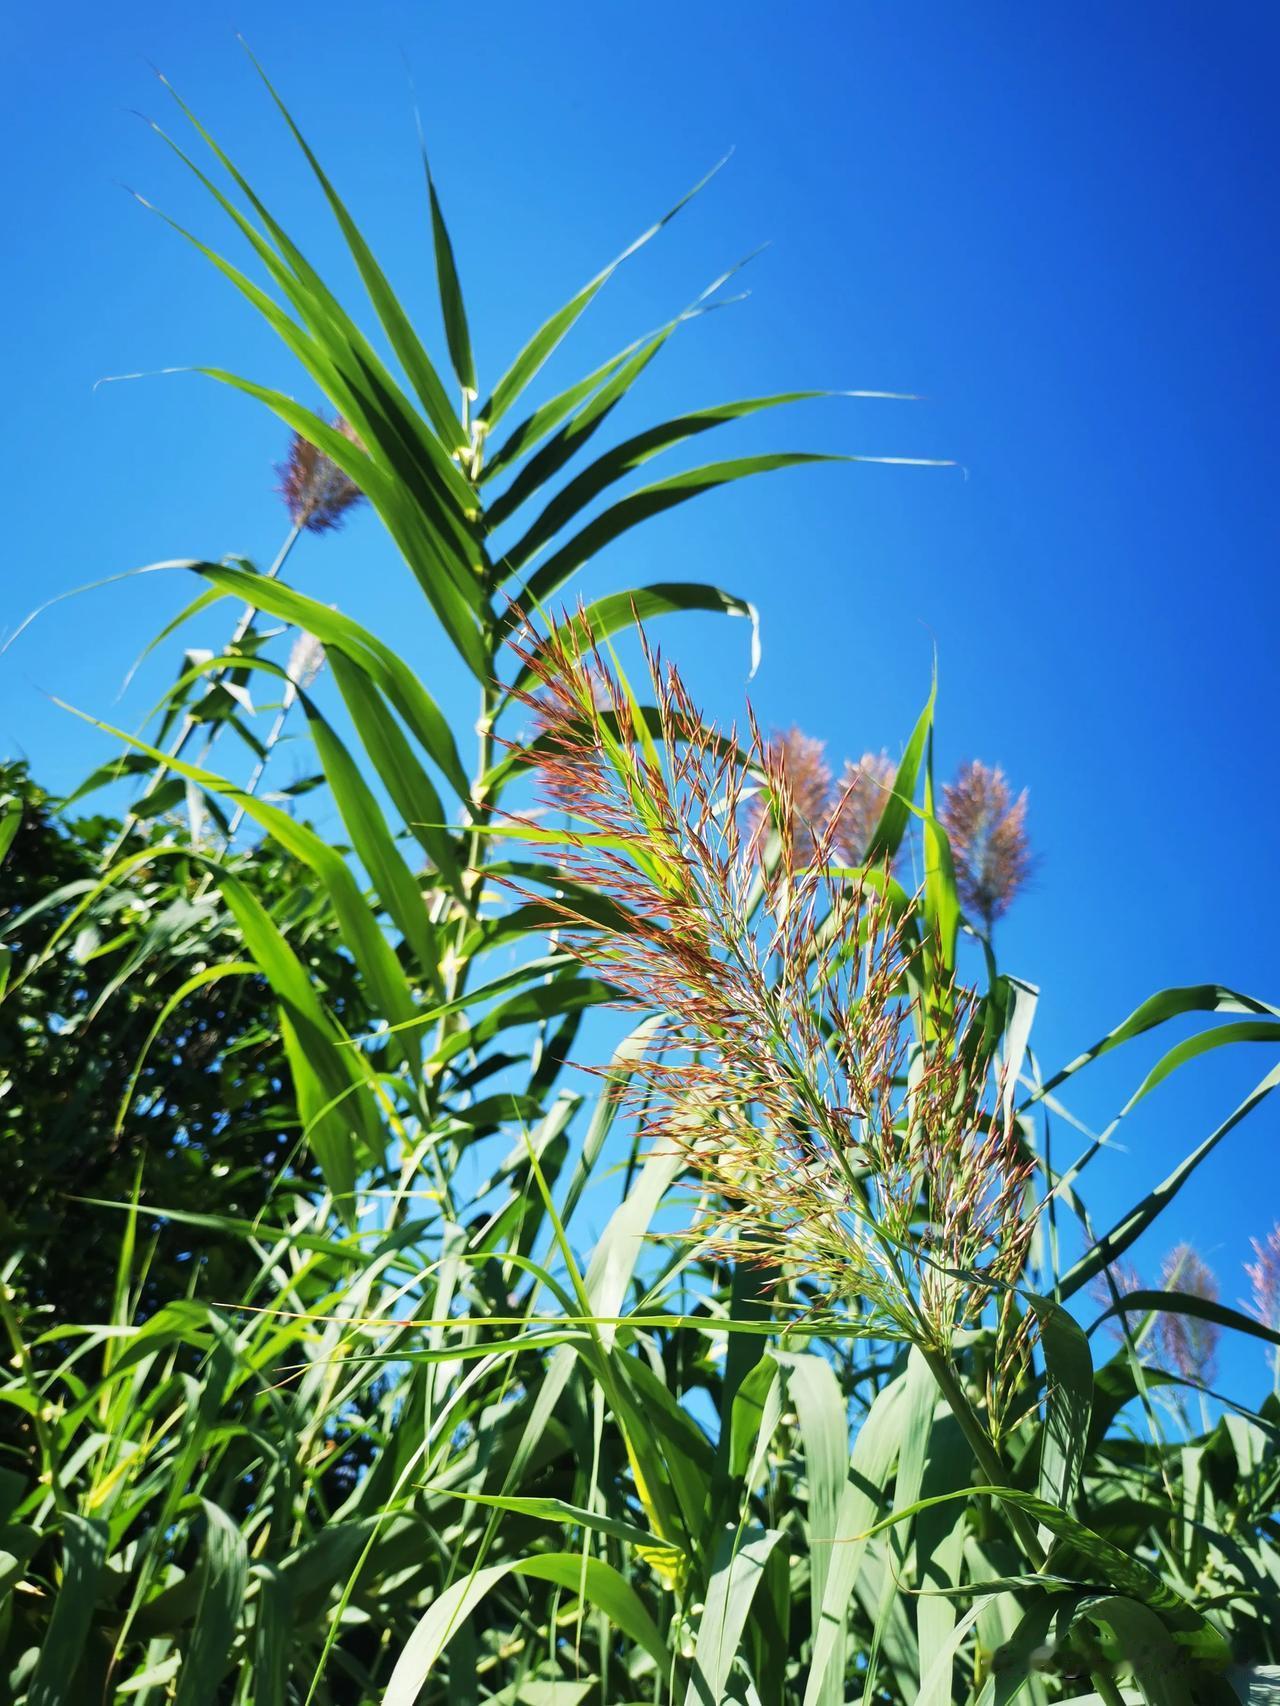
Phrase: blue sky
[1054,223]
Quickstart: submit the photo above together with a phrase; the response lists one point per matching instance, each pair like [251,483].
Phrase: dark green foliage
[94,966]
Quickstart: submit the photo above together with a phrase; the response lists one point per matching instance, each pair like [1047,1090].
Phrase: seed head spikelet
[1188,1344]
[789,1069]
[986,827]
[857,804]
[1264,1285]
[316,492]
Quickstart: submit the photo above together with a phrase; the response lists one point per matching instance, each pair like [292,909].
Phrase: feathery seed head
[987,830]
[859,800]
[1264,1277]
[795,801]
[1125,1279]
[840,1139]
[316,492]
[1188,1343]
[1264,1281]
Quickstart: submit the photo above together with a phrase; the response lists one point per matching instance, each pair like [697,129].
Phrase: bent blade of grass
[623,459]
[619,610]
[663,495]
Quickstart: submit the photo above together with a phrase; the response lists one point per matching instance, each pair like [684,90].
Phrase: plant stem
[260,768]
[984,1450]
[1105,1688]
[189,723]
[22,1359]
[988,1459]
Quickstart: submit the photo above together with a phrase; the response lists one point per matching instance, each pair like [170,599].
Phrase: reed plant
[756,1365]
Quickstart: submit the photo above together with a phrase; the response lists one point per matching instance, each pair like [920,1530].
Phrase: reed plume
[987,829]
[1188,1343]
[847,1141]
[855,810]
[316,492]
[798,795]
[1264,1283]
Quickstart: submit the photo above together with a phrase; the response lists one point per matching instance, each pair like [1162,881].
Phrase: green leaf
[404,340]
[595,1580]
[942,900]
[1142,1302]
[897,811]
[875,1452]
[451,586]
[369,946]
[618,609]
[224,1572]
[737,1572]
[1068,1401]
[17,1543]
[332,1099]
[618,461]
[648,501]
[542,1001]
[822,1412]
[10,823]
[332,349]
[84,1553]
[558,1510]
[629,1052]
[1127,1230]
[1158,1010]
[609,383]
[544,419]
[451,307]
[1080,1554]
[273,1630]
[376,849]
[1142,1640]
[1222,1036]
[411,789]
[936,1680]
[365,651]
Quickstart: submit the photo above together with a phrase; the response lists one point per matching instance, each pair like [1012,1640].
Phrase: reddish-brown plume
[316,492]
[987,829]
[858,802]
[797,795]
[837,1128]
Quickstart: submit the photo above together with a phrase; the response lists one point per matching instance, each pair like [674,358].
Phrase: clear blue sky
[1055,222]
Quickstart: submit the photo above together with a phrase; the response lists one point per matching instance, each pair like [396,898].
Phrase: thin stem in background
[191,723]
